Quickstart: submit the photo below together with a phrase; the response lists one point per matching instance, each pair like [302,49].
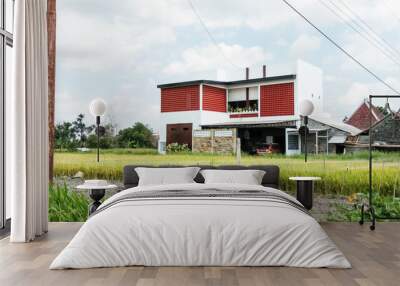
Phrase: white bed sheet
[200,232]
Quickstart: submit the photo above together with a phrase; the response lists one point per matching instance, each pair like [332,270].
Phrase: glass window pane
[10,15]
[293,142]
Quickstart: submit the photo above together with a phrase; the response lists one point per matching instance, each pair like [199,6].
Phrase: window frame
[6,39]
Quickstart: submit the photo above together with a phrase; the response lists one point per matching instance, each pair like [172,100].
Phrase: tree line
[76,134]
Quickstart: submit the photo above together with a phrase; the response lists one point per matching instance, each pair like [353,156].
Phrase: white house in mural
[262,110]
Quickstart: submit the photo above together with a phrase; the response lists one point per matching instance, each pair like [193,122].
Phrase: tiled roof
[360,117]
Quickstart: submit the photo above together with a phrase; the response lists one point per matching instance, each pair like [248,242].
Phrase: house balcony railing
[243,111]
[243,114]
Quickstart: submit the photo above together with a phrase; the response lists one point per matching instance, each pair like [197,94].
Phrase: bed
[201,224]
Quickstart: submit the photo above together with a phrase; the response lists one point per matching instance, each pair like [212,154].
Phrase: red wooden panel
[277,99]
[214,98]
[183,98]
[243,115]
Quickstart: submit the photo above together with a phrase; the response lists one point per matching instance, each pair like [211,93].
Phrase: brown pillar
[247,89]
[51,38]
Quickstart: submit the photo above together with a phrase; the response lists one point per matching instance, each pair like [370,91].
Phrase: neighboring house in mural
[328,136]
[258,111]
[385,135]
[385,129]
[360,117]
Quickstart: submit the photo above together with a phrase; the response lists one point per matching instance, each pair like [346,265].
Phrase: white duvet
[200,231]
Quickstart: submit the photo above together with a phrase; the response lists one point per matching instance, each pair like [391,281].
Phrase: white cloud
[68,107]
[369,56]
[355,94]
[135,108]
[253,14]
[304,45]
[120,49]
[358,91]
[267,15]
[212,58]
[89,43]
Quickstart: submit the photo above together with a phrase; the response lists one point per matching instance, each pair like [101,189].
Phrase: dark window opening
[256,138]
[293,142]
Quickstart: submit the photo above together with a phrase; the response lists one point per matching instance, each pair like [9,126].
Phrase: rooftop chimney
[264,71]
[247,89]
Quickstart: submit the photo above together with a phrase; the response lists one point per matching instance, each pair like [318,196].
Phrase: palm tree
[80,129]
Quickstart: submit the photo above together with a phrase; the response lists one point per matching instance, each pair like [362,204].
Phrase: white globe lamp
[306,109]
[97,108]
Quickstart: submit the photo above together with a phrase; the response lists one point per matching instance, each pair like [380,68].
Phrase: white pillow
[166,176]
[248,177]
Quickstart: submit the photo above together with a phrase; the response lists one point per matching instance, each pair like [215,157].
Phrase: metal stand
[96,195]
[304,193]
[305,137]
[98,137]
[370,205]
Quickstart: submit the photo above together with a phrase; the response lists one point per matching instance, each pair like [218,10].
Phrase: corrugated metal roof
[336,124]
[229,83]
[337,139]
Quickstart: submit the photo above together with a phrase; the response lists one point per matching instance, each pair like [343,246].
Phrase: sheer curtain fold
[28,123]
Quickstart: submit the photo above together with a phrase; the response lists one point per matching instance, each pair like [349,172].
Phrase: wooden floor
[375,257]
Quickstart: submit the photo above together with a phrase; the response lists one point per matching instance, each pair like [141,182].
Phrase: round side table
[305,189]
[96,193]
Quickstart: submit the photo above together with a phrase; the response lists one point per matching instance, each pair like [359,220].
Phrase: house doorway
[180,133]
[256,137]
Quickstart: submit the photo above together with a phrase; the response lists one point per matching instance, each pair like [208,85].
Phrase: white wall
[239,94]
[211,117]
[193,117]
[309,85]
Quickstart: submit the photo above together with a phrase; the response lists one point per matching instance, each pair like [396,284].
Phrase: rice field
[341,174]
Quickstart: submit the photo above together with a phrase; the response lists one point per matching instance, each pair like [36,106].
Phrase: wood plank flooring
[375,257]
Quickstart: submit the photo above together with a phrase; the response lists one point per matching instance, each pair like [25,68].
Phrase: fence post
[238,151]
[212,140]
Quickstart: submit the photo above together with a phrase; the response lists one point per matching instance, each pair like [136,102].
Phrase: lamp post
[97,108]
[306,109]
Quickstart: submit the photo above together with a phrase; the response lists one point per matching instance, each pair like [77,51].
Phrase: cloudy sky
[120,50]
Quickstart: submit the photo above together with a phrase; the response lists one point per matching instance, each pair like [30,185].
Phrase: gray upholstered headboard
[271,177]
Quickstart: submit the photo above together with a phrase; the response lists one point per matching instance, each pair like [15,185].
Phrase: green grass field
[341,174]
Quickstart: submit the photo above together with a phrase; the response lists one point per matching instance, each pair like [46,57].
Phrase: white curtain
[27,123]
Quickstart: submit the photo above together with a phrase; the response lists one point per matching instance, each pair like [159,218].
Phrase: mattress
[201,225]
